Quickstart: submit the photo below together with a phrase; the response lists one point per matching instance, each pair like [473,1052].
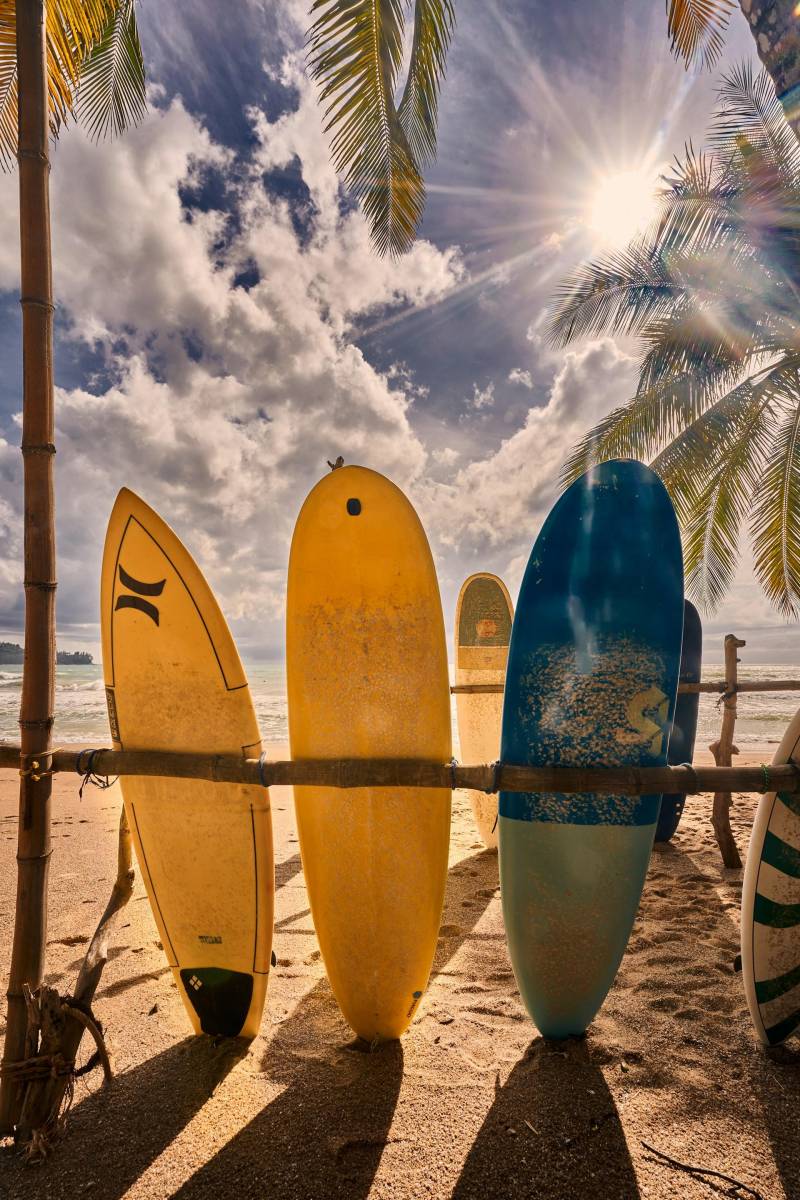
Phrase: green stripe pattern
[781,855]
[777,916]
[780,1032]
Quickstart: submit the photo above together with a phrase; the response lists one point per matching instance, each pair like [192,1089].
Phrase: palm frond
[8,86]
[698,202]
[73,29]
[619,293]
[697,28]
[641,427]
[775,525]
[749,111]
[434,21]
[111,93]
[713,487]
[712,344]
[356,49]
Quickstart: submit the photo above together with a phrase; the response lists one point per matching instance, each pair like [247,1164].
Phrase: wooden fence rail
[409,772]
[718,686]
[723,748]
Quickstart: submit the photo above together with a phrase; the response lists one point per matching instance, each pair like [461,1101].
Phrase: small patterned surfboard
[771,907]
[684,727]
[591,681]
[174,682]
[483,630]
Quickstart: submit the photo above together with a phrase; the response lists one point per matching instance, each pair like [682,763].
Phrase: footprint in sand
[666,1004]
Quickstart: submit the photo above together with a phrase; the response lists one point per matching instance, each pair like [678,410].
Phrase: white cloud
[225,402]
[499,502]
[481,397]
[446,456]
[517,375]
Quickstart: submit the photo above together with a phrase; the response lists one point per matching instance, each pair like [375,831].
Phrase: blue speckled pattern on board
[684,726]
[591,681]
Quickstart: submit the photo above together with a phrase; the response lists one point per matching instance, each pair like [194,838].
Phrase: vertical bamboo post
[38,675]
[723,750]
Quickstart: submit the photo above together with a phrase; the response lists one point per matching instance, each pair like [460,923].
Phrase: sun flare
[621,206]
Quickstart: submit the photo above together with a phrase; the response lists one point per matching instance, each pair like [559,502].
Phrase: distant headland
[11,653]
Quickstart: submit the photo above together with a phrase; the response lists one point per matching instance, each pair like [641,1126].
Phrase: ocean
[81,708]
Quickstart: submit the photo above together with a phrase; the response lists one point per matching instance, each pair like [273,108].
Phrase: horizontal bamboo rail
[410,772]
[717,685]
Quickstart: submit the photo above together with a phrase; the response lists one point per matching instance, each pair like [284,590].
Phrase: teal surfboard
[591,681]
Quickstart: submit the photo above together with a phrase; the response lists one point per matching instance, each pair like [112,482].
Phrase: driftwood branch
[63,1021]
[423,773]
[691,1170]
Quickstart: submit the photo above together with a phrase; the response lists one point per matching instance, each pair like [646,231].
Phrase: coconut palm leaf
[356,49]
[8,89]
[700,201]
[641,427]
[74,28]
[111,93]
[749,110]
[718,492]
[697,28]
[434,21]
[775,526]
[618,293]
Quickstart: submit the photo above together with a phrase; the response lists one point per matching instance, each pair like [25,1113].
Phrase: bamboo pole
[723,750]
[413,772]
[38,678]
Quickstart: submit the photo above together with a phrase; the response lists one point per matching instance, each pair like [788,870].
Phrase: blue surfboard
[591,681]
[684,726]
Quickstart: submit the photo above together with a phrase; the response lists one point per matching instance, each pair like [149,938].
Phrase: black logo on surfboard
[141,589]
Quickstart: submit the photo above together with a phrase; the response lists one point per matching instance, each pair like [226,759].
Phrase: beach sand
[472,1103]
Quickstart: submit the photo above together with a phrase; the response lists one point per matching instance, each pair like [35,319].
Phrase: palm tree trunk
[776,29]
[38,675]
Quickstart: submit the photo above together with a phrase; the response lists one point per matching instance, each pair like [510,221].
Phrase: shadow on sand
[114,1135]
[323,1135]
[552,1132]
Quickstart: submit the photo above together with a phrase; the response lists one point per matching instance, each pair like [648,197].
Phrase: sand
[471,1104]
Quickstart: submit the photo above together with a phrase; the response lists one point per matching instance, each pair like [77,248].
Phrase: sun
[621,206]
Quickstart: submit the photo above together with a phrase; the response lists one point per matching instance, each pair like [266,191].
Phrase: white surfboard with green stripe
[771,907]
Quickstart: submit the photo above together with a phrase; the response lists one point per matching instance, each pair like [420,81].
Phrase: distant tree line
[10,652]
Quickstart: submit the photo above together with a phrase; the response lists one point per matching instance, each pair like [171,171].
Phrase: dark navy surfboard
[591,680]
[684,727]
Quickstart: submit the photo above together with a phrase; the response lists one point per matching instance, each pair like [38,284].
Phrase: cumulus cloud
[220,403]
[481,397]
[517,375]
[499,502]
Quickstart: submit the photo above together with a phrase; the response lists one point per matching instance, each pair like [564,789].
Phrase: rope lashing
[35,769]
[89,776]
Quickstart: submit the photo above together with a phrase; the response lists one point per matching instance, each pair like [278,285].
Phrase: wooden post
[38,676]
[723,750]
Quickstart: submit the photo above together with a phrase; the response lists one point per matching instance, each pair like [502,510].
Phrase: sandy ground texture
[472,1104]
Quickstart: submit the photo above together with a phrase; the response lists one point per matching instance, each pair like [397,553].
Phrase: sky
[224,327]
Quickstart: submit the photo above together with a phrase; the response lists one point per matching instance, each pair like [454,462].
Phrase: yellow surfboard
[484,615]
[367,677]
[174,682]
